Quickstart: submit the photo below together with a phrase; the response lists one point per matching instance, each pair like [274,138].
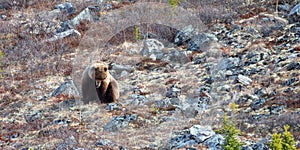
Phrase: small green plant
[233,107]
[285,143]
[275,144]
[173,3]
[287,139]
[230,131]
[136,33]
[154,110]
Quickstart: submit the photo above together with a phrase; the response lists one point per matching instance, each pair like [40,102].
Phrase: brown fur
[98,85]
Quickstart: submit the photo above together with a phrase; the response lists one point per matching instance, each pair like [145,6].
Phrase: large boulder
[184,35]
[153,49]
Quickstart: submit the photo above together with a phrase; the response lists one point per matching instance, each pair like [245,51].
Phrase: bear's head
[98,71]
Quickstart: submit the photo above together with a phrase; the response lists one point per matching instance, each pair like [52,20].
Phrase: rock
[5,4]
[104,142]
[261,92]
[199,58]
[66,7]
[293,66]
[47,16]
[197,134]
[84,15]
[203,103]
[284,7]
[64,26]
[175,56]
[173,92]
[167,104]
[32,116]
[119,122]
[3,17]
[257,104]
[138,99]
[153,49]
[275,110]
[215,142]
[294,14]
[259,146]
[180,142]
[113,106]
[67,88]
[295,10]
[292,82]
[120,68]
[201,133]
[244,79]
[184,35]
[200,42]
[64,34]
[228,63]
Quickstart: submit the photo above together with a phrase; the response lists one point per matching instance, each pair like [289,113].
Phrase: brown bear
[98,85]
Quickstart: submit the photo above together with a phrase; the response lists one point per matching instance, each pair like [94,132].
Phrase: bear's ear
[92,67]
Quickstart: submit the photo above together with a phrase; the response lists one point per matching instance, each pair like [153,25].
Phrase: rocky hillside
[180,67]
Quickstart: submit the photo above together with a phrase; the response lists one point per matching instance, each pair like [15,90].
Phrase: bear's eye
[105,69]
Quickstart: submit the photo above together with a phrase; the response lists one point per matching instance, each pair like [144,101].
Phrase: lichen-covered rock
[119,122]
[200,42]
[152,49]
[67,7]
[67,88]
[196,135]
[184,35]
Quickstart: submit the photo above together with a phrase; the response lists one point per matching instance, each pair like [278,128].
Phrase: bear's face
[99,71]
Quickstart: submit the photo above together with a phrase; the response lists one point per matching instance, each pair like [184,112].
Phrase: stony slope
[175,90]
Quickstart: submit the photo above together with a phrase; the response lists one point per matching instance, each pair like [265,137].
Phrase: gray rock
[199,43]
[244,147]
[294,14]
[284,7]
[176,56]
[184,35]
[64,34]
[181,141]
[259,146]
[5,4]
[200,58]
[120,68]
[203,103]
[293,66]
[275,110]
[295,10]
[173,92]
[153,49]
[244,79]
[257,104]
[84,15]
[3,17]
[197,134]
[167,103]
[138,99]
[230,63]
[66,7]
[104,142]
[67,88]
[201,133]
[113,106]
[215,142]
[119,122]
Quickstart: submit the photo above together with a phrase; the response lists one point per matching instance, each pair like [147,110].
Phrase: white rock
[201,132]
[244,79]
